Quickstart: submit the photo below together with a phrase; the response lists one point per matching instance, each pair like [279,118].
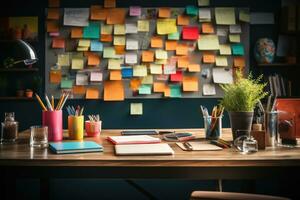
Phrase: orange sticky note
[135,84]
[52,26]
[116,16]
[194,68]
[115,75]
[209,58]
[156,42]
[182,49]
[148,56]
[120,49]
[109,3]
[239,62]
[190,84]
[207,28]
[164,12]
[183,20]
[113,91]
[58,43]
[55,76]
[182,62]
[96,13]
[92,93]
[159,87]
[79,89]
[171,45]
[53,3]
[53,13]
[167,92]
[106,38]
[76,32]
[93,59]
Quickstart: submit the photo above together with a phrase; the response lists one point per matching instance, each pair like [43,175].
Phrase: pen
[188,146]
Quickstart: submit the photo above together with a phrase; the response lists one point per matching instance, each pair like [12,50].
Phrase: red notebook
[133,139]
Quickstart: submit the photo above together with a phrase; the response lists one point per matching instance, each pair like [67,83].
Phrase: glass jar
[9,129]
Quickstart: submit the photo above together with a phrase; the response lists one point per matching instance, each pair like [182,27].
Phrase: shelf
[278,65]
[15,98]
[19,69]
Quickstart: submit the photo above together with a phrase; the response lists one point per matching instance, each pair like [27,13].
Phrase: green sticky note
[92,31]
[145,89]
[175,91]
[174,36]
[238,49]
[191,10]
[66,84]
[136,109]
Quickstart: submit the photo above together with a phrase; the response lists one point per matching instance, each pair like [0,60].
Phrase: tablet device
[139,132]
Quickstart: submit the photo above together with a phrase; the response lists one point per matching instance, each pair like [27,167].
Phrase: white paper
[131,28]
[209,89]
[96,76]
[131,58]
[132,44]
[222,75]
[82,79]
[261,18]
[76,16]
[235,28]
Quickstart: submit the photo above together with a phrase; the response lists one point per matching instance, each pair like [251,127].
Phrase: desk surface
[22,155]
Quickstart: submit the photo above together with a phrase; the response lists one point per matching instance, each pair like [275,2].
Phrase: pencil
[64,101]
[60,101]
[48,103]
[52,102]
[40,102]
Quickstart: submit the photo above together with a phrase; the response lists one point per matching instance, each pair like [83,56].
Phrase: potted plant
[240,99]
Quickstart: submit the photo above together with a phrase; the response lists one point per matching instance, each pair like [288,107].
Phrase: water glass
[39,136]
[245,143]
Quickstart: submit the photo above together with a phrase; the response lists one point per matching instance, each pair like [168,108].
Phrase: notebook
[75,147]
[144,149]
[199,146]
[133,139]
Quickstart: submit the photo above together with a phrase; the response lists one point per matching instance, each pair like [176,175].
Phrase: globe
[264,50]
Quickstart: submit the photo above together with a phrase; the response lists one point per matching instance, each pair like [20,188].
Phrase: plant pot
[240,121]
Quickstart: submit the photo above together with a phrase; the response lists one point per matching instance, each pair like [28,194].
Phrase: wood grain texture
[22,155]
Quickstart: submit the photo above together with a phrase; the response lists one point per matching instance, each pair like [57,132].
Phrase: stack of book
[278,86]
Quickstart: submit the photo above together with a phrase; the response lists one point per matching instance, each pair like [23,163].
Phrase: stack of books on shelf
[279,86]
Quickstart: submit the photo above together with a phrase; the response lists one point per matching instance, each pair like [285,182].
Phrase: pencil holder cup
[75,127]
[93,128]
[53,119]
[213,127]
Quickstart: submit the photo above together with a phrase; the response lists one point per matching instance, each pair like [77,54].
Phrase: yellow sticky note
[106,29]
[203,2]
[225,49]
[114,63]
[92,93]
[190,84]
[166,26]
[244,16]
[136,109]
[221,61]
[113,91]
[208,42]
[63,59]
[115,75]
[82,48]
[155,69]
[143,25]
[109,52]
[225,16]
[161,61]
[236,38]
[119,40]
[194,68]
[119,29]
[161,54]
[77,63]
[84,43]
[147,79]
[140,70]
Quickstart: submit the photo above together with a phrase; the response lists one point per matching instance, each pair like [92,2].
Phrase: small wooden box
[260,137]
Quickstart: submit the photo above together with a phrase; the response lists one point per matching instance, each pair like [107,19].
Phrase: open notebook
[144,149]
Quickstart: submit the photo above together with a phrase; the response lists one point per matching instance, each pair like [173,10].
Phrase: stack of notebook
[75,147]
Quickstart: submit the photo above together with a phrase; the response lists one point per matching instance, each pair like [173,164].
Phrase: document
[222,75]
[209,89]
[76,16]
[82,79]
[190,84]
[261,18]
[208,42]
[225,16]
[199,146]
[92,93]
[166,26]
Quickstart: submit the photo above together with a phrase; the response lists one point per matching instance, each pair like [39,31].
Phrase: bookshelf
[19,69]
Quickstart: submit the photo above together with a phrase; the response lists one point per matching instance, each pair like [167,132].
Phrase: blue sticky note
[145,89]
[92,31]
[191,10]
[175,91]
[96,45]
[66,84]
[238,49]
[127,72]
[174,36]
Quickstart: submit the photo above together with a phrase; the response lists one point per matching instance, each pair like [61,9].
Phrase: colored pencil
[40,102]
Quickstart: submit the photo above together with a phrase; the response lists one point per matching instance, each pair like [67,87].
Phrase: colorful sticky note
[175,91]
[79,89]
[135,84]
[115,75]
[164,12]
[148,56]
[147,79]
[159,87]
[130,58]
[77,63]
[55,76]
[135,11]
[96,45]
[166,26]
[203,2]
[136,109]
[119,40]
[244,16]
[194,68]
[235,38]
[182,49]
[58,43]
[155,69]
[113,91]
[76,32]
[93,59]
[176,77]
[66,84]
[145,89]
[127,72]
[84,43]
[95,13]
[116,16]
[190,84]
[143,25]
[140,70]
[225,49]
[131,28]
[120,49]
[209,58]
[204,14]
[209,89]
[156,42]
[106,38]
[169,68]
[208,42]
[225,16]
[221,61]
[106,29]
[53,13]
[63,59]
[171,45]
[161,54]
[96,76]
[109,52]
[115,63]
[132,44]
[235,28]
[183,20]
[190,33]
[191,10]
[82,48]
[239,62]
[119,29]
[207,28]
[92,30]
[238,49]
[82,79]
[109,3]
[92,93]
[183,62]
[174,36]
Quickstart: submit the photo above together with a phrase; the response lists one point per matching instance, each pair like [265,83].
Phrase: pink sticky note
[176,77]
[190,33]
[135,11]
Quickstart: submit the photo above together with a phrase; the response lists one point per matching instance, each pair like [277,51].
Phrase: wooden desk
[20,160]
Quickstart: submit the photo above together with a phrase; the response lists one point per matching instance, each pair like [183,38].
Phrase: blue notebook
[75,147]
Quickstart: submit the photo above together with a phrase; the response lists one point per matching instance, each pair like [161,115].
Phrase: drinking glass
[245,143]
[39,136]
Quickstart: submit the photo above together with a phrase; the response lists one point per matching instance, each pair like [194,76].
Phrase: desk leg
[140,189]
[44,189]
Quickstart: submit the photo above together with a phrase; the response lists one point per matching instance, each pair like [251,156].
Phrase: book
[133,139]
[75,147]
[144,149]
[139,132]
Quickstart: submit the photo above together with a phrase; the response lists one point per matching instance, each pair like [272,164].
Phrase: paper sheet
[225,16]
[209,89]
[76,16]
[136,109]
[222,75]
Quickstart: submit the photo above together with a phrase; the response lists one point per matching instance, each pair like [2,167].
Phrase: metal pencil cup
[271,125]
[213,127]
